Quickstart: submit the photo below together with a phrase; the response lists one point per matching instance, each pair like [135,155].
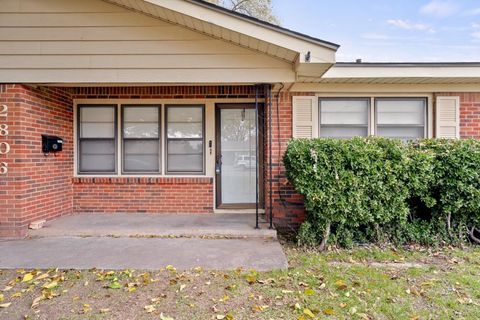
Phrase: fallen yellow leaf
[251,279]
[2,297]
[50,285]
[42,276]
[5,305]
[329,312]
[27,277]
[309,292]
[36,301]
[308,312]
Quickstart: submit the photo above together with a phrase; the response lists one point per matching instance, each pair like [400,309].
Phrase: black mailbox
[51,144]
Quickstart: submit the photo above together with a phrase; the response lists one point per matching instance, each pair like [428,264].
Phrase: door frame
[260,155]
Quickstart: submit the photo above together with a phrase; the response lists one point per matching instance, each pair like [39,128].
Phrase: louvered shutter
[305,117]
[448,117]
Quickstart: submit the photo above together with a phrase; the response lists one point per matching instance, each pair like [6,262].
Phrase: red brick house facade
[288,78]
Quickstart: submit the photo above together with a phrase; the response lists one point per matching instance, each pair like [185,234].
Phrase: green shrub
[456,186]
[378,189]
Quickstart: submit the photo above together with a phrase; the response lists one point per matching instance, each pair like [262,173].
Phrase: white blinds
[343,118]
[401,118]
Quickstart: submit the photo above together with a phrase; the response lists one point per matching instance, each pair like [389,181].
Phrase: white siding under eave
[73,41]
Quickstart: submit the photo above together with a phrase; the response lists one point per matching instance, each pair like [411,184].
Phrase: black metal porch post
[270,164]
[256,157]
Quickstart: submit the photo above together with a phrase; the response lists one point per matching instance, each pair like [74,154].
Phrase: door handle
[218,165]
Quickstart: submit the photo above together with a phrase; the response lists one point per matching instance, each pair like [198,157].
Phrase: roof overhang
[310,57]
[401,73]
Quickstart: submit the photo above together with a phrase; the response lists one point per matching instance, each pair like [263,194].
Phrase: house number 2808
[4,146]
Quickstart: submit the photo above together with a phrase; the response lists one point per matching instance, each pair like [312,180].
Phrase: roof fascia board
[396,71]
[365,88]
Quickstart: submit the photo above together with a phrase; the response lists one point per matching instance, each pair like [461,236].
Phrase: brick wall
[288,209]
[469,113]
[145,195]
[36,186]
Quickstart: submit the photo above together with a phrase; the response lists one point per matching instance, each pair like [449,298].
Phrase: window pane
[140,122]
[97,114]
[140,130]
[97,130]
[343,132]
[185,114]
[344,112]
[185,163]
[97,122]
[97,156]
[141,156]
[343,119]
[403,133]
[185,147]
[183,125]
[403,112]
[185,130]
[184,122]
[140,114]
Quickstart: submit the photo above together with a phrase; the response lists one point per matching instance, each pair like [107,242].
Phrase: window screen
[343,118]
[141,139]
[401,118]
[185,139]
[97,139]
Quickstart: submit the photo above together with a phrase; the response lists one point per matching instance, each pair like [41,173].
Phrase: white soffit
[241,30]
[400,73]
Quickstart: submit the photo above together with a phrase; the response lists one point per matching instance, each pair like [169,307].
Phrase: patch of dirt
[393,265]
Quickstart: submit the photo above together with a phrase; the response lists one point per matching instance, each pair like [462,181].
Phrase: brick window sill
[139,180]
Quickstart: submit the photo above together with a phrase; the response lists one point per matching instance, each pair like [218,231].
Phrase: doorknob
[218,165]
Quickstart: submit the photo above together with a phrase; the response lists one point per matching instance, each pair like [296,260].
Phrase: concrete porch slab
[147,242]
[141,253]
[229,225]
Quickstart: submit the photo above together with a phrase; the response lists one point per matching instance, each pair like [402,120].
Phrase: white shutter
[305,117]
[448,117]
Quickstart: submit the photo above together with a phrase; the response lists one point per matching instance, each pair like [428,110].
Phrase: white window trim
[373,96]
[209,134]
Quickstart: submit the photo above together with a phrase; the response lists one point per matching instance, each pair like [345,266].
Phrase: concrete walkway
[141,253]
[146,242]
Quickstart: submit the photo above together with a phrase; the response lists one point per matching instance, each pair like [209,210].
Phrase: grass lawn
[364,283]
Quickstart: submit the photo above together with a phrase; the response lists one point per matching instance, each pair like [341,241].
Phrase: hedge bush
[378,189]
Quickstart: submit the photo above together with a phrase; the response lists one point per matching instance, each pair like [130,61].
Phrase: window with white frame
[138,150]
[185,135]
[141,138]
[343,118]
[97,139]
[401,118]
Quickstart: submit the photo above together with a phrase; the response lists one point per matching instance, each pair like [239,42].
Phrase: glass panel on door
[238,156]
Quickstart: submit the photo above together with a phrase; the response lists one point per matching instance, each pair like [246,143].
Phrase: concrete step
[118,225]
